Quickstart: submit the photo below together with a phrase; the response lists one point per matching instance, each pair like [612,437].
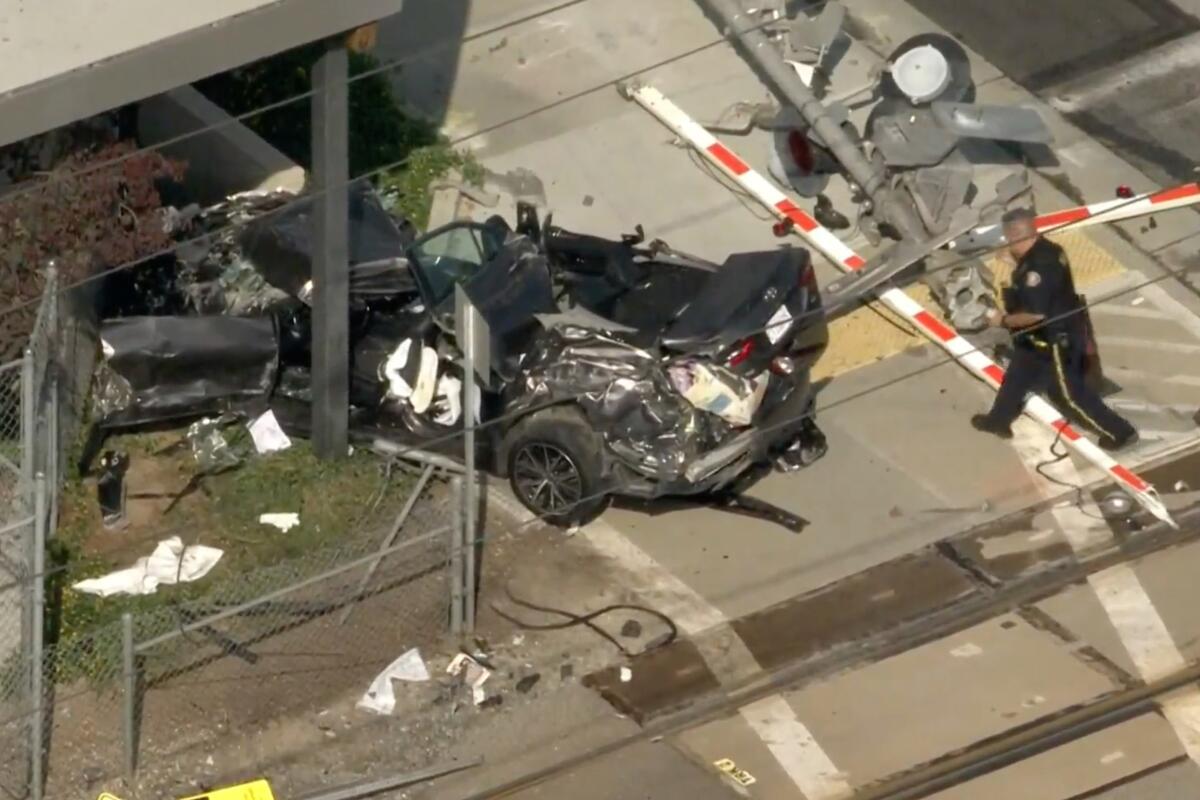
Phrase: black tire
[555,466]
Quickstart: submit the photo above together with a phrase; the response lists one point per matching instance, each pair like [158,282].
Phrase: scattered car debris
[210,449]
[635,367]
[526,684]
[110,489]
[171,562]
[268,436]
[738,775]
[473,674]
[284,521]
[380,697]
[157,369]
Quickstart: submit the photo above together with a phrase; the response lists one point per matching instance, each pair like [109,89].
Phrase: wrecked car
[617,367]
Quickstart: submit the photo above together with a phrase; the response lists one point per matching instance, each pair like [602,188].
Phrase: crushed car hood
[280,247]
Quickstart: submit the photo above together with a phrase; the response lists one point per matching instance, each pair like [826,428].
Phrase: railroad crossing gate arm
[824,241]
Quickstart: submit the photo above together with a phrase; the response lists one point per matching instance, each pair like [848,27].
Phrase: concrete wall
[221,162]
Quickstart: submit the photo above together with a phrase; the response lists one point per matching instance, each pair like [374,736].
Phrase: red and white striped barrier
[1117,210]
[833,248]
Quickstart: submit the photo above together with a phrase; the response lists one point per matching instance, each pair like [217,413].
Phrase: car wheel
[555,467]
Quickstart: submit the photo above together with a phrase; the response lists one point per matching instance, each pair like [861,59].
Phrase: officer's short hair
[1018,215]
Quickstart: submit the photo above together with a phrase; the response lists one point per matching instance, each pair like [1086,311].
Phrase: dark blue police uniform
[1051,356]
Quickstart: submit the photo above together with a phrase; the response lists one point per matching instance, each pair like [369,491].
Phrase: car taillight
[742,353]
[808,278]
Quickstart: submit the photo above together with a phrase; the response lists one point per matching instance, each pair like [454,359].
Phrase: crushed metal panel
[909,137]
[280,246]
[1004,123]
[159,368]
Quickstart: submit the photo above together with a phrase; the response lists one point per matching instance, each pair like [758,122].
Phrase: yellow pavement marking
[873,334]
[254,790]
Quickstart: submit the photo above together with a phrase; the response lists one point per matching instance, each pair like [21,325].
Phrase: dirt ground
[291,716]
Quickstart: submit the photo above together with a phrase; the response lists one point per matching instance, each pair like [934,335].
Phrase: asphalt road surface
[1126,71]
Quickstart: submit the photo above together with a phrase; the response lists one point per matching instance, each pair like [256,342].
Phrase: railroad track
[1135,539]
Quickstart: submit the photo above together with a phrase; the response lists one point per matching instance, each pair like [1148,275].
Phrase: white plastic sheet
[268,436]
[719,391]
[285,521]
[380,697]
[171,562]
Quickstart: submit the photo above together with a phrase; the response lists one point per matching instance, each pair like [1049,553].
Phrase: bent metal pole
[833,248]
[758,48]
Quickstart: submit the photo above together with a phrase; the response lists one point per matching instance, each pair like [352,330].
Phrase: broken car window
[454,255]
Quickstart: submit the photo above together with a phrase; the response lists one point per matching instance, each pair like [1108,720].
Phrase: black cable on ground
[588,620]
[1057,457]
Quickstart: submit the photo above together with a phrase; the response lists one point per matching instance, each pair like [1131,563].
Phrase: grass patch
[406,191]
[334,500]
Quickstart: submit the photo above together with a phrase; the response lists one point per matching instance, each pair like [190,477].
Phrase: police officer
[1043,312]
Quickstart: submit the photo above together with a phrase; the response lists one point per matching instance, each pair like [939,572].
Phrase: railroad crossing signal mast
[906,170]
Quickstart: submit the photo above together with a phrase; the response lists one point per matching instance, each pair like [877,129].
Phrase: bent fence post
[130,702]
[456,556]
[413,496]
[37,588]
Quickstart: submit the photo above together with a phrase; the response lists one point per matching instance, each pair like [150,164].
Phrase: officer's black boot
[1113,445]
[984,423]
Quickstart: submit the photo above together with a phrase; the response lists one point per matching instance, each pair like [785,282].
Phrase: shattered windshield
[453,255]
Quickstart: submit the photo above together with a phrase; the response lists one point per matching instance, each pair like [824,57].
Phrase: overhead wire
[387,66]
[490,129]
[319,191]
[450,437]
[898,380]
[588,617]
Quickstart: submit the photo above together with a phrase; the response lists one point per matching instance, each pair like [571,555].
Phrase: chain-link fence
[29,471]
[160,688]
[231,654]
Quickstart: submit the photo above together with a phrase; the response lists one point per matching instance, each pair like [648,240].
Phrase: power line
[450,437]
[795,419]
[55,177]
[497,126]
[906,376]
[386,167]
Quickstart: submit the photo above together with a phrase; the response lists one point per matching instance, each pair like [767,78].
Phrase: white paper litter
[420,395]
[476,676]
[448,401]
[719,391]
[449,388]
[778,324]
[107,349]
[170,562]
[285,521]
[268,436]
[380,698]
[626,674]
[968,650]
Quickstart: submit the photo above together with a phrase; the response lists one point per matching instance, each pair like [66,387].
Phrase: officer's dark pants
[1059,371]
